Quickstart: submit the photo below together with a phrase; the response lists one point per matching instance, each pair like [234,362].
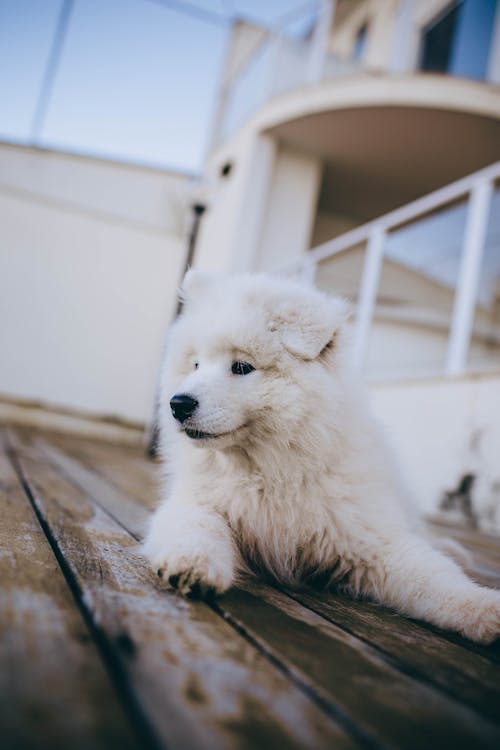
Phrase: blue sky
[137,80]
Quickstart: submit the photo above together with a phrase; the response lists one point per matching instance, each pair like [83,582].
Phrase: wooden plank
[126,467]
[464,674]
[130,471]
[393,708]
[54,690]
[483,549]
[121,505]
[479,541]
[200,684]
[482,569]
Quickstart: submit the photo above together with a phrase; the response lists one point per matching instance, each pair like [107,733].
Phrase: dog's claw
[195,592]
[174,580]
[193,589]
[201,591]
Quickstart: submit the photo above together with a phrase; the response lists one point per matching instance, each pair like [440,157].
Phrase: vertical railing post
[468,277]
[493,73]
[401,43]
[319,42]
[368,293]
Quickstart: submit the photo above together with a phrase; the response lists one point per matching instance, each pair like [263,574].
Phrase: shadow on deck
[96,653]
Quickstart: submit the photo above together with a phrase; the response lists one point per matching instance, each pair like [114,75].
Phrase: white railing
[281,63]
[478,189]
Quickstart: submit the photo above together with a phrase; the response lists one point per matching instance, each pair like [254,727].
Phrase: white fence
[477,190]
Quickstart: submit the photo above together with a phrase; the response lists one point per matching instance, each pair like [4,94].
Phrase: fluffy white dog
[275,467]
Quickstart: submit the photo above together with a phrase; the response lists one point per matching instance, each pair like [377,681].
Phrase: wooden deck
[97,653]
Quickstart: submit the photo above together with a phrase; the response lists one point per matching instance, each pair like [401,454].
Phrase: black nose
[182,406]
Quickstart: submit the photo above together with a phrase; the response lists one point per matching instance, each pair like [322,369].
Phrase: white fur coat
[274,465]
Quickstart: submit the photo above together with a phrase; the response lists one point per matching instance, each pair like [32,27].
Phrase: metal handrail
[478,187]
[393,219]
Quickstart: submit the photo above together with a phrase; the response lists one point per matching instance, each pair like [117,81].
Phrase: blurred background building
[353,143]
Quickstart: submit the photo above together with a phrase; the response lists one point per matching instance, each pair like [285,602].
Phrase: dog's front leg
[191,546]
[418,580]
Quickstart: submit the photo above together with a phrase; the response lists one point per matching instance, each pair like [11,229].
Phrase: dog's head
[251,356]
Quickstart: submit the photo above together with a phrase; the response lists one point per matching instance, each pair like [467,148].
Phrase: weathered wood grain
[484,551]
[379,695]
[394,708]
[54,690]
[484,568]
[197,680]
[417,651]
[126,467]
[124,507]
[471,538]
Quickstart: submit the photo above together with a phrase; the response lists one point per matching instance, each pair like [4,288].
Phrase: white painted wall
[379,16]
[286,233]
[442,429]
[249,223]
[383,20]
[232,224]
[91,253]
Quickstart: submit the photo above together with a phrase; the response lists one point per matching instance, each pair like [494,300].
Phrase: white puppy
[274,465]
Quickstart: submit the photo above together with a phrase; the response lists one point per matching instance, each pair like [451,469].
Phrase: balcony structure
[364,112]
[363,150]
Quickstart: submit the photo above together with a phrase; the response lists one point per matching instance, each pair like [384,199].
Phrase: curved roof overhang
[385,140]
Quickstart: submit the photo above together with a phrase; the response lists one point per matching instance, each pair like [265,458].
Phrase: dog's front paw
[196,576]
[183,567]
[191,549]
[481,618]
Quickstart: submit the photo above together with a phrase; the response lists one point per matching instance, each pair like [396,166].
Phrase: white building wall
[382,18]
[291,207]
[442,429]
[261,215]
[379,16]
[232,225]
[91,253]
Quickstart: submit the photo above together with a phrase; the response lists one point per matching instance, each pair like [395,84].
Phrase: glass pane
[484,352]
[458,41]
[409,336]
[471,48]
[437,41]
[360,43]
[340,274]
[250,89]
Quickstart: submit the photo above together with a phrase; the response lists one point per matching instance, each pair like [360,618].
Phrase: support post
[319,42]
[154,432]
[50,72]
[368,293]
[401,44]
[468,277]
[493,73]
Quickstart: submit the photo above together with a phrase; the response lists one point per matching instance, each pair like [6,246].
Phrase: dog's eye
[241,368]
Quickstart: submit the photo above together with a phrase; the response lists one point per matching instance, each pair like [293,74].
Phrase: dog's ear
[308,328]
[194,283]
